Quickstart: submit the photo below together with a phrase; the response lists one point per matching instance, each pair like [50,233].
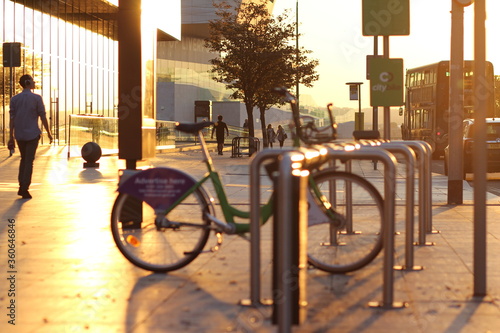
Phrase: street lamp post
[455,160]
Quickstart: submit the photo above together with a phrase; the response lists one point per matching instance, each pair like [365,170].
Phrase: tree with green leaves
[256,54]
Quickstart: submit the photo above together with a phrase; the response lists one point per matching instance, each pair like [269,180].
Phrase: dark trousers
[27,149]
[220,144]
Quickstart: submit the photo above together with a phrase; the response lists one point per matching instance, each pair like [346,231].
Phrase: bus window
[418,119]
[469,131]
[425,119]
[493,131]
[410,80]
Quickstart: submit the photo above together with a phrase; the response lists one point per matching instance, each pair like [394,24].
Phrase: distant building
[71,50]
[183,70]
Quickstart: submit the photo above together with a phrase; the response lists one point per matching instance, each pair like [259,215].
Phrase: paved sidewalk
[68,276]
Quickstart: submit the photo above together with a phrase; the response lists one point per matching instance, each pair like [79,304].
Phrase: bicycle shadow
[174,302]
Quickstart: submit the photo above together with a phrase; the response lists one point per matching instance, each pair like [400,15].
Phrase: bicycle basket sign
[158,187]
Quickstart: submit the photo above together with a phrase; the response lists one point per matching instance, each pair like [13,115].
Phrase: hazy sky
[332,30]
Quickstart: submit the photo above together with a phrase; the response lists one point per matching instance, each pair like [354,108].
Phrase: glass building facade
[70,49]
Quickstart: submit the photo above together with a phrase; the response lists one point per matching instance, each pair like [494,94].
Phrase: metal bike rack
[428,184]
[408,151]
[424,158]
[410,158]
[255,223]
[236,145]
[389,161]
[423,155]
[290,308]
[290,245]
[363,153]
[255,216]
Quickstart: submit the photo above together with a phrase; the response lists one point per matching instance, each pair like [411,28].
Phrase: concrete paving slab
[70,277]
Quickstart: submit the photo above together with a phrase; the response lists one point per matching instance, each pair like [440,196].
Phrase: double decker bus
[427,100]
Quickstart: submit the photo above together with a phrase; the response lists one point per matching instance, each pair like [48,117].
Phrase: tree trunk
[251,131]
[263,126]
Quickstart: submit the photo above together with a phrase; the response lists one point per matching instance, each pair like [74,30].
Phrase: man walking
[25,109]
[220,128]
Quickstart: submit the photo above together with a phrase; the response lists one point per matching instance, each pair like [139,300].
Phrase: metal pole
[255,226]
[387,109]
[428,186]
[481,94]
[284,248]
[255,223]
[348,201]
[455,162]
[375,108]
[361,118]
[297,51]
[332,189]
[11,78]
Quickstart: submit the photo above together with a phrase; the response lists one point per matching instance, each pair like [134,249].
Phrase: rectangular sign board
[353,92]
[386,82]
[386,17]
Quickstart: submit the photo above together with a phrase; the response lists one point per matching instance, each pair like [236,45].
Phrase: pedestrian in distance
[25,110]
[271,135]
[281,135]
[220,128]
[245,128]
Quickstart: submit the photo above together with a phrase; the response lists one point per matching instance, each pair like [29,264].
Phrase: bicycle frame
[229,211]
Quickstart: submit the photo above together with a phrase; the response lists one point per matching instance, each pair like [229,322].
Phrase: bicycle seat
[192,128]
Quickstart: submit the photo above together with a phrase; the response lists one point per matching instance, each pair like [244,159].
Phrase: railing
[104,132]
[90,128]
[234,132]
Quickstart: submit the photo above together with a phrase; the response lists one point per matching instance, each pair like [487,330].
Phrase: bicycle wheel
[344,247]
[148,245]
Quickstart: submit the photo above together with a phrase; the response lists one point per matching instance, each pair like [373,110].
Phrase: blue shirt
[25,108]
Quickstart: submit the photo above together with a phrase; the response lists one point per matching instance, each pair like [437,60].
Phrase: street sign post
[386,17]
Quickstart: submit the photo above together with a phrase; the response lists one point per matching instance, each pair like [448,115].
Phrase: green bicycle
[162,217]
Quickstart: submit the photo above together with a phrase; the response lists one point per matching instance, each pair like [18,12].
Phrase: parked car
[492,140]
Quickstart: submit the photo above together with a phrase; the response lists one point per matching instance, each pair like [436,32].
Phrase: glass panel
[53,51]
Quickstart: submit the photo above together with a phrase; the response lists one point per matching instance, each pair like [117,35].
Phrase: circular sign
[385,77]
[464,2]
